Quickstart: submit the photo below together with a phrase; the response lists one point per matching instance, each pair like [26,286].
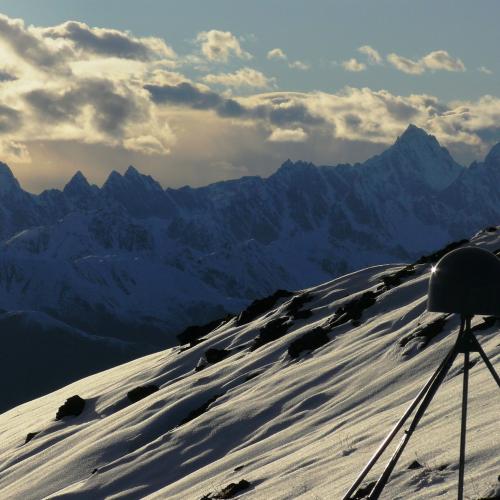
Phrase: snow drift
[282,403]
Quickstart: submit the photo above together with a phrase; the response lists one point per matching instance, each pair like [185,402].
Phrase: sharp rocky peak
[8,182]
[493,157]
[77,183]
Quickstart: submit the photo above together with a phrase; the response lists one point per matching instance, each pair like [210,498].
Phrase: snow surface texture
[293,428]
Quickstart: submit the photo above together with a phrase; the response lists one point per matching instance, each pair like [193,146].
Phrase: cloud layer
[111,95]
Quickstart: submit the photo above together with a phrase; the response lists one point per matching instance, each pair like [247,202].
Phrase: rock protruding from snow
[71,408]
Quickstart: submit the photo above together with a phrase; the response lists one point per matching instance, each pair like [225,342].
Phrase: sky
[194,92]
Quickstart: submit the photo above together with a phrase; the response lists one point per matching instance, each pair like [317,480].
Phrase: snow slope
[294,428]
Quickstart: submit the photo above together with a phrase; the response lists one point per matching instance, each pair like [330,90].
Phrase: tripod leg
[379,486]
[395,429]
[463,429]
[487,362]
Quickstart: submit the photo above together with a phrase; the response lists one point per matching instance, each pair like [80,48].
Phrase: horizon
[123,170]
[216,93]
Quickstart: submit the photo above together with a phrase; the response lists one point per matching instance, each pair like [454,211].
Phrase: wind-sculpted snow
[290,424]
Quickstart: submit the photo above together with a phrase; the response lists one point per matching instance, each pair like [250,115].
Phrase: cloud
[353,65]
[29,46]
[10,119]
[485,70]
[299,65]
[405,65]
[288,135]
[373,55]
[441,60]
[7,76]
[245,77]
[276,54]
[220,45]
[433,61]
[109,42]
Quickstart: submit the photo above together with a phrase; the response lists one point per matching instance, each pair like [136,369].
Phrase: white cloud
[373,55]
[485,70]
[220,45]
[244,77]
[353,65]
[441,60]
[405,65]
[276,54]
[433,61]
[299,65]
[288,135]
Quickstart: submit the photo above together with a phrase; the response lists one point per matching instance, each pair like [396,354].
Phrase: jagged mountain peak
[77,184]
[493,157]
[416,156]
[8,182]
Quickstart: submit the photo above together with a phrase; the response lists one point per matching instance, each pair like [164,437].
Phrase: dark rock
[141,392]
[303,314]
[395,279]
[273,330]
[352,311]
[426,333]
[213,355]
[30,436]
[488,322]
[434,257]
[308,342]
[200,410]
[294,306]
[261,306]
[232,489]
[491,229]
[71,408]
[364,491]
[237,469]
[415,465]
[95,471]
[192,334]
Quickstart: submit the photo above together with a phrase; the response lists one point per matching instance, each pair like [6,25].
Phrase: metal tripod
[466,343]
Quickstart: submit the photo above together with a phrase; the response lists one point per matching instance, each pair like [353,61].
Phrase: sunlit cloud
[288,135]
[244,77]
[438,60]
[353,65]
[276,53]
[372,55]
[109,42]
[303,66]
[220,46]
[485,70]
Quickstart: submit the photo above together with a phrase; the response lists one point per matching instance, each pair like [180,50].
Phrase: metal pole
[463,428]
[384,478]
[485,359]
[396,428]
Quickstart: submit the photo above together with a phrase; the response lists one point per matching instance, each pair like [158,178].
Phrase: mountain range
[138,263]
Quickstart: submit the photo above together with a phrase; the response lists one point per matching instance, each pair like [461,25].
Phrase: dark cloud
[6,76]
[111,110]
[186,94]
[10,119]
[27,45]
[109,42]
[400,110]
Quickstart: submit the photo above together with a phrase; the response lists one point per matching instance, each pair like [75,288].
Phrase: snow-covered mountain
[136,262]
[131,258]
[287,400]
